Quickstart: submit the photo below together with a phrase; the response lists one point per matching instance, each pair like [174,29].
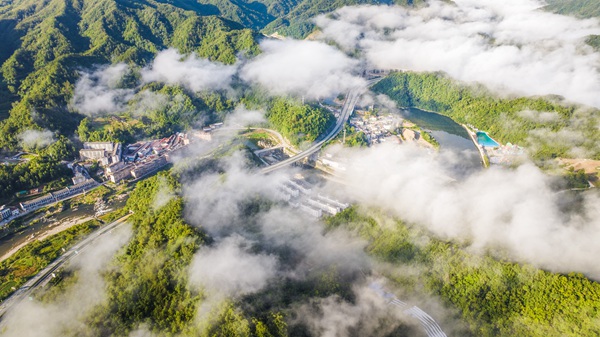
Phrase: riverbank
[484,158]
[48,231]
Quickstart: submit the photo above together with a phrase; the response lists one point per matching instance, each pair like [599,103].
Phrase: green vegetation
[429,139]
[496,298]
[41,169]
[148,283]
[173,110]
[577,179]
[261,138]
[35,256]
[594,41]
[353,138]
[426,136]
[105,130]
[100,192]
[508,120]
[299,122]
[47,43]
[579,8]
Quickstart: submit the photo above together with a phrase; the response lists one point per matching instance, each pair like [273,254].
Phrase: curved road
[431,327]
[347,110]
[43,277]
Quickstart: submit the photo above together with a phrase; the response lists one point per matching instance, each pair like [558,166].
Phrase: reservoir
[451,135]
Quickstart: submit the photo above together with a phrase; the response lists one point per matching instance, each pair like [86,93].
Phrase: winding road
[42,278]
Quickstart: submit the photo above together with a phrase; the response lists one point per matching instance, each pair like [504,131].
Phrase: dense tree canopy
[299,122]
[506,119]
[496,298]
[40,169]
[46,44]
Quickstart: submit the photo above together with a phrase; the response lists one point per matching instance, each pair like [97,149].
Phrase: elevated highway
[346,112]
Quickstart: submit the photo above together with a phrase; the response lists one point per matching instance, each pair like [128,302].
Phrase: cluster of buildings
[376,128]
[81,184]
[135,160]
[105,153]
[142,158]
[65,193]
[298,193]
[506,154]
[9,213]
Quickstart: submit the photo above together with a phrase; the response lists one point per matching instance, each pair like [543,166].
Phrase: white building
[5,213]
[105,152]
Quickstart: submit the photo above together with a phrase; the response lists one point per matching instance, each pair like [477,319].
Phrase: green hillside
[48,42]
[579,8]
[45,44]
[286,17]
[502,117]
[494,297]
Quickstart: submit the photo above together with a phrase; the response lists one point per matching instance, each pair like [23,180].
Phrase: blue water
[485,140]
[448,133]
[451,137]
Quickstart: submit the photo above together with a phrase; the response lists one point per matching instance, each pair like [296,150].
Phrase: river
[453,138]
[10,241]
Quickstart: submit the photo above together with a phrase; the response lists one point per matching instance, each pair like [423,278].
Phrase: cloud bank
[192,72]
[309,68]
[509,46]
[230,268]
[99,92]
[516,211]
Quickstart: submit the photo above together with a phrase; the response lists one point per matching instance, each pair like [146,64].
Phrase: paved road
[347,110]
[431,327]
[43,277]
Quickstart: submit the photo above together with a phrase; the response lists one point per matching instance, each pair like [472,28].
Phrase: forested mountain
[286,17]
[46,43]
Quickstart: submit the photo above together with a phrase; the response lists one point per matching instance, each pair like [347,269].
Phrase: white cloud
[242,117]
[514,210]
[230,269]
[35,138]
[98,92]
[540,116]
[509,45]
[308,68]
[190,71]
